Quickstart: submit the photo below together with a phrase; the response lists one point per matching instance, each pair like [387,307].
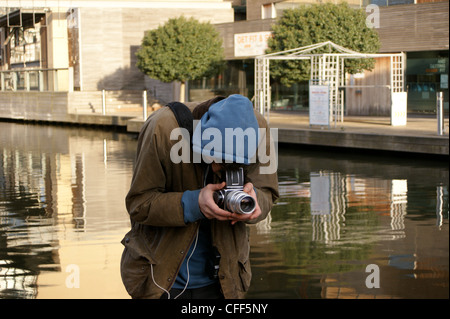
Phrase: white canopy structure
[326,69]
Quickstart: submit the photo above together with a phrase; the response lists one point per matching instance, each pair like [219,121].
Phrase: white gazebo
[327,69]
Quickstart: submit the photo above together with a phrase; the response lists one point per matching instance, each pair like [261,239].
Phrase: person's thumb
[215,187]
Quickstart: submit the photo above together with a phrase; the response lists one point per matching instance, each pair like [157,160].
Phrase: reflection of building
[328,205]
[57,186]
[16,279]
[24,215]
[399,201]
[441,195]
[334,197]
[333,194]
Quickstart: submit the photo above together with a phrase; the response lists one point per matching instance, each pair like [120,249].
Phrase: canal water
[345,226]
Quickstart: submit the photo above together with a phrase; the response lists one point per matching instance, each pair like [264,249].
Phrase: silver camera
[232,198]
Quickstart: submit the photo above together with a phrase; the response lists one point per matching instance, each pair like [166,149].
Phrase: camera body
[232,197]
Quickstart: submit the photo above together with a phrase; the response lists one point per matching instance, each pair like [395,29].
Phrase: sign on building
[251,44]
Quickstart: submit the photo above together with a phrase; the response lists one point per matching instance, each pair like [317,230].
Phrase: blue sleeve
[191,210]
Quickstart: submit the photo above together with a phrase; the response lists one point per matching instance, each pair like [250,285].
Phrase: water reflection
[62,203]
[62,214]
[338,214]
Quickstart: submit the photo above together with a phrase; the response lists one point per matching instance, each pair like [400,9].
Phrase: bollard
[261,105]
[27,81]
[144,103]
[103,102]
[41,81]
[440,112]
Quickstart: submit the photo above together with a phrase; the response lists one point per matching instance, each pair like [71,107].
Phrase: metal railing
[50,80]
[144,103]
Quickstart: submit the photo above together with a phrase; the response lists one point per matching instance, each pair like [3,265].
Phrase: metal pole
[268,107]
[144,103]
[440,112]
[103,102]
[14,80]
[261,104]
[27,81]
[41,81]
[56,80]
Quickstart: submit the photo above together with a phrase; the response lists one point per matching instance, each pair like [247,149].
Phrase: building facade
[419,28]
[85,47]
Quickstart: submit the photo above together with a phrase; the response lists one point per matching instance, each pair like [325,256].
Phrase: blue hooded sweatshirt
[228,132]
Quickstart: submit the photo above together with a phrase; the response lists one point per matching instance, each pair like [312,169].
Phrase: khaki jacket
[159,239]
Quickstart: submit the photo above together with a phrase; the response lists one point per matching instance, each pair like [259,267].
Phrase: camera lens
[240,202]
[247,204]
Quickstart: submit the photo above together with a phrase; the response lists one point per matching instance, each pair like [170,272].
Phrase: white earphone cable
[187,266]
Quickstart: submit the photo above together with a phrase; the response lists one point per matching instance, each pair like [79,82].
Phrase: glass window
[236,78]
[426,74]
[383,3]
[25,45]
[268,11]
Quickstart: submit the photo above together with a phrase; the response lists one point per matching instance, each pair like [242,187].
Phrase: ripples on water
[62,217]
[62,203]
[339,213]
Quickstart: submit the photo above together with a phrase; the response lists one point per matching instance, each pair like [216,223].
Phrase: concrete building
[61,57]
[417,27]
[66,52]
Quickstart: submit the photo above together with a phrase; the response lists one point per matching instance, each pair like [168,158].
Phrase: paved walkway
[421,126]
[419,135]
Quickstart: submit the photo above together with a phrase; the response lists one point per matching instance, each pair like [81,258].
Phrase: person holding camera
[189,237]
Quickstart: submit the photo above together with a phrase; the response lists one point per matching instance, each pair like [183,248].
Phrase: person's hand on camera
[207,204]
[210,209]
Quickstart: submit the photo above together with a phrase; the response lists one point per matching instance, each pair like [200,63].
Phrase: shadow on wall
[128,84]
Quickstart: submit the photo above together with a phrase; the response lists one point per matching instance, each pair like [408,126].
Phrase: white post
[144,103]
[14,81]
[27,80]
[440,112]
[103,102]
[70,71]
[56,84]
[41,80]
[261,102]
[269,104]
